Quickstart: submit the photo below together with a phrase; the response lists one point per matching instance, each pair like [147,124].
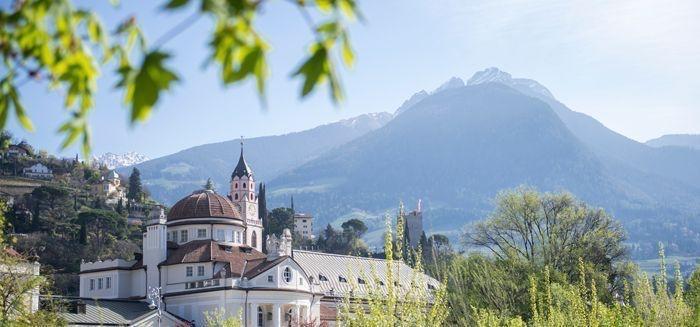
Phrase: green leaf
[313,69]
[151,79]
[19,111]
[174,4]
[325,6]
[347,53]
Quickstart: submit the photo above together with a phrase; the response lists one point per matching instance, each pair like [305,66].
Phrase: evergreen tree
[209,185]
[120,206]
[262,204]
[135,190]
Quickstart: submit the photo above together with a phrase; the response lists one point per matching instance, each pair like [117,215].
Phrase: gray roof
[242,168]
[372,271]
[109,312]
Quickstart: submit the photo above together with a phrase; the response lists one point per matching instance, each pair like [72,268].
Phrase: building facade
[38,171]
[304,225]
[205,255]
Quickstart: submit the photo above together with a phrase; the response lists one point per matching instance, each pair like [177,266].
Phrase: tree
[53,42]
[278,220]
[120,206]
[209,184]
[102,229]
[354,227]
[135,192]
[552,230]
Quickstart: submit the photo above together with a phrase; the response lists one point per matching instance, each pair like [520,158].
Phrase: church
[206,255]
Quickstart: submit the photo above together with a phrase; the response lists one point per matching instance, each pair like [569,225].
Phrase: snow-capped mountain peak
[452,83]
[495,75]
[113,160]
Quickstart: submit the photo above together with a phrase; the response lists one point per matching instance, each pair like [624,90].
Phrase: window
[303,221]
[229,236]
[251,196]
[99,283]
[235,185]
[201,233]
[188,271]
[238,237]
[92,284]
[342,279]
[243,185]
[174,238]
[360,281]
[322,278]
[200,270]
[270,279]
[287,275]
[254,239]
[260,317]
[170,238]
[219,235]
[235,196]
[108,282]
[183,236]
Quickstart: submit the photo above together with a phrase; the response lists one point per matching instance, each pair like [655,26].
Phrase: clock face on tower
[252,210]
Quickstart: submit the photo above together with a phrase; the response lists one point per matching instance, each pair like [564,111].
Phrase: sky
[631,64]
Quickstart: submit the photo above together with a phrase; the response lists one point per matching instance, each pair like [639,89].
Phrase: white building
[304,225]
[38,171]
[206,255]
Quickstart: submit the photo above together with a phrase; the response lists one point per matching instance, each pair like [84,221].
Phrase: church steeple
[242,168]
[242,194]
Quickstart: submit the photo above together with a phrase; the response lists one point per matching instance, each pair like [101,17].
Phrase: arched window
[260,317]
[287,275]
[243,185]
[235,196]
[251,196]
[235,185]
[254,240]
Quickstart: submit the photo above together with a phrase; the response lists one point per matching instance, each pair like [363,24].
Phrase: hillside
[679,140]
[171,177]
[459,146]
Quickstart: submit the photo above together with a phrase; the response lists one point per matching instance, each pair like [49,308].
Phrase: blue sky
[632,64]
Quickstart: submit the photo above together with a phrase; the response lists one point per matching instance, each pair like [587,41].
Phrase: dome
[203,204]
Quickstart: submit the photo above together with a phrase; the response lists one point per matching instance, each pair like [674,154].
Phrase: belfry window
[243,185]
[235,185]
[235,196]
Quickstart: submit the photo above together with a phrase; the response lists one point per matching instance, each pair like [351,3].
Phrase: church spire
[242,168]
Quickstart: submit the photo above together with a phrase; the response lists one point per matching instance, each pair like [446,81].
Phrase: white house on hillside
[38,171]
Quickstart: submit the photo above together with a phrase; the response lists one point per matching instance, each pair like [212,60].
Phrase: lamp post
[156,301]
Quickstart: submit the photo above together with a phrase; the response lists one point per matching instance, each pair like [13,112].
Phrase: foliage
[52,41]
[17,284]
[218,318]
[279,219]
[135,191]
[347,241]
[396,305]
[209,185]
[552,230]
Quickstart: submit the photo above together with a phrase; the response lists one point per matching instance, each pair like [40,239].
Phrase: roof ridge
[341,255]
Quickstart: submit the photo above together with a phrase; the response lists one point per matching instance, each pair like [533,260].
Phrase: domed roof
[203,204]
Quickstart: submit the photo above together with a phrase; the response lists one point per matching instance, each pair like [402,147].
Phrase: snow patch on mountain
[113,160]
[495,75]
[453,83]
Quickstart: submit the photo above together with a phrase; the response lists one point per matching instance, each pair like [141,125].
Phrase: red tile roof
[204,204]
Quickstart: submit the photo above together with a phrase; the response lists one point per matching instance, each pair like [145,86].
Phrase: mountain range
[113,160]
[455,148]
[678,140]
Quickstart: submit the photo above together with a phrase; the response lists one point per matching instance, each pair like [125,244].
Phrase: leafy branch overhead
[52,42]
